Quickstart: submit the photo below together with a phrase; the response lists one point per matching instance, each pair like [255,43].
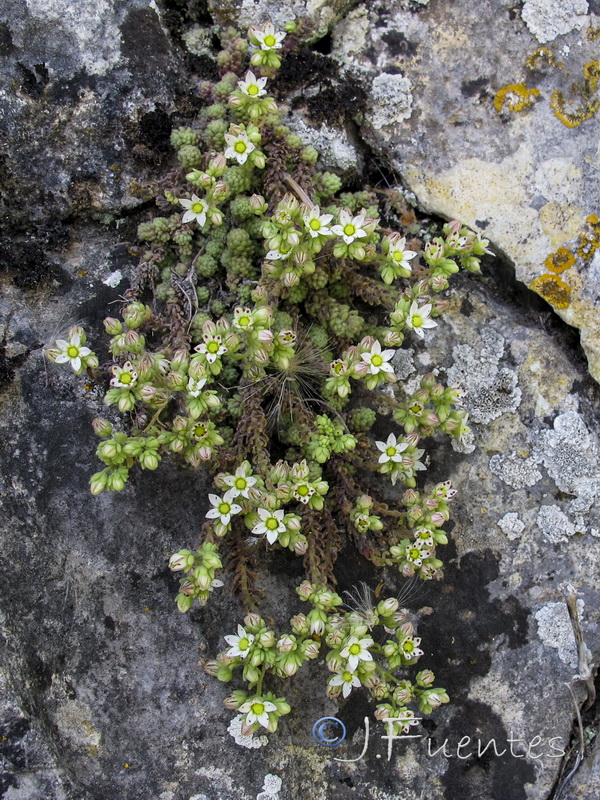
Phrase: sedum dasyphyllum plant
[259,332]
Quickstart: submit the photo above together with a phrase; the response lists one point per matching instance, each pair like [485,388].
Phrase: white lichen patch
[332,144]
[271,788]
[515,471]
[404,365]
[554,524]
[114,279]
[547,19]
[511,525]
[90,24]
[391,100]
[250,742]
[491,390]
[570,455]
[555,630]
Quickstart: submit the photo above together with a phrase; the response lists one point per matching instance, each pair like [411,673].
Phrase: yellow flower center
[417,320]
[391,451]
[376,360]
[224,508]
[240,483]
[347,677]
[240,147]
[408,647]
[349,229]
[397,255]
[212,347]
[315,224]
[253,90]
[197,208]
[72,351]
[125,377]
[199,430]
[272,523]
[414,553]
[303,490]
[243,644]
[354,649]
[270,41]
[257,708]
[244,321]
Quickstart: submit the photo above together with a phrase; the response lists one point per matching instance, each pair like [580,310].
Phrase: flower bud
[184,602]
[311,649]
[184,559]
[102,427]
[98,482]
[387,607]
[113,326]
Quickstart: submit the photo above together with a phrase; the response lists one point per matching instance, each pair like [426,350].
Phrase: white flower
[378,360]
[271,524]
[350,228]
[398,254]
[240,483]
[196,209]
[357,650]
[223,508]
[346,679]
[417,551]
[195,387]
[418,318]
[274,255]
[239,147]
[71,351]
[268,38]
[124,377]
[391,449]
[243,319]
[257,710]
[406,719]
[410,647]
[303,492]
[240,644]
[316,223]
[212,347]
[253,86]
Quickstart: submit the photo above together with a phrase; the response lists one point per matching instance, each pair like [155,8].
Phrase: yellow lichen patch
[573,115]
[560,261]
[514,97]
[543,54]
[593,33]
[572,119]
[591,75]
[589,242]
[552,289]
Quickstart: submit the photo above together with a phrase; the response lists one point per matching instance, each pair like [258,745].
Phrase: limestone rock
[526,178]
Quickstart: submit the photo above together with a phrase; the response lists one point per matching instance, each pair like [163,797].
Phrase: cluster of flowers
[355,658]
[293,261]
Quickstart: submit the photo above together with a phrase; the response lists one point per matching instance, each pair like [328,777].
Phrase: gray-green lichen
[491,390]
[547,19]
[555,630]
[511,525]
[391,100]
[515,471]
[554,524]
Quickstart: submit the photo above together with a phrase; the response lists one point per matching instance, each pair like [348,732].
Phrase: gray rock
[523,178]
[103,696]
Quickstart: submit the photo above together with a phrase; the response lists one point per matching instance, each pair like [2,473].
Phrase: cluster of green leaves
[355,658]
[275,297]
